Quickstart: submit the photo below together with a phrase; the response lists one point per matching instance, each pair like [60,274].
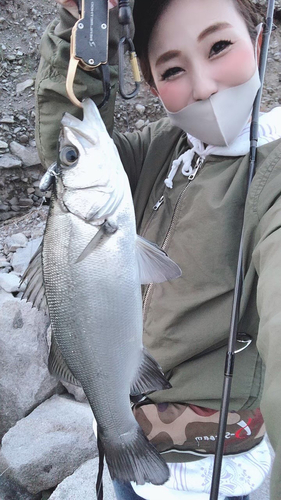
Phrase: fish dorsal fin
[57,366]
[149,377]
[33,276]
[154,264]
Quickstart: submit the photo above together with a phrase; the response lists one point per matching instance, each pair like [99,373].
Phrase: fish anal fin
[149,377]
[58,367]
[154,264]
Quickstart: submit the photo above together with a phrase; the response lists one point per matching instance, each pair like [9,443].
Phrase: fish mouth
[90,127]
[79,133]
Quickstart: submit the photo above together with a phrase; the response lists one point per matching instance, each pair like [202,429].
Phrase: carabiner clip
[125,41]
[124,17]
[89,46]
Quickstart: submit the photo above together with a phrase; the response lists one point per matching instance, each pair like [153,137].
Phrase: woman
[188,175]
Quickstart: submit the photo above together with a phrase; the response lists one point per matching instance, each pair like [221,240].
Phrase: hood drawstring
[186,159]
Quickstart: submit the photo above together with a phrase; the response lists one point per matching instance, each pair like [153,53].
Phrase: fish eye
[69,156]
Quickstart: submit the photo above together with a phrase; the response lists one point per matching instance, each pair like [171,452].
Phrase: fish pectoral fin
[106,229]
[154,264]
[149,377]
[33,276]
[57,365]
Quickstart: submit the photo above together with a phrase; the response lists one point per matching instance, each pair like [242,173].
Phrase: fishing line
[99,483]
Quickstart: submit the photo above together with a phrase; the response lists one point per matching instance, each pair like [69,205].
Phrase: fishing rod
[89,47]
[230,355]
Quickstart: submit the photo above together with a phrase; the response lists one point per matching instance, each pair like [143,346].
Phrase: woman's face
[197,48]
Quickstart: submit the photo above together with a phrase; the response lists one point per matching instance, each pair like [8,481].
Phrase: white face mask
[219,119]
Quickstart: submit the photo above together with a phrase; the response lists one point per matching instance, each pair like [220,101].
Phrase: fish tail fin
[137,460]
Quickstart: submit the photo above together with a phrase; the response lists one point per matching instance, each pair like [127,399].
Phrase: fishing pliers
[89,47]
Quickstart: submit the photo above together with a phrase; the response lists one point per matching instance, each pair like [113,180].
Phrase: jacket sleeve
[52,100]
[267,261]
[51,97]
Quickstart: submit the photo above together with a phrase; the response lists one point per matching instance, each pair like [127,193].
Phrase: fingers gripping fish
[92,264]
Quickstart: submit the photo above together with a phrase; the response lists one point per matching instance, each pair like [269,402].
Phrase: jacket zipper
[191,177]
[158,204]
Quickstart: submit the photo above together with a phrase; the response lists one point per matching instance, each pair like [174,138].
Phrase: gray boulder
[15,241]
[25,380]
[50,444]
[9,282]
[28,156]
[22,256]
[9,161]
[4,296]
[10,490]
[82,484]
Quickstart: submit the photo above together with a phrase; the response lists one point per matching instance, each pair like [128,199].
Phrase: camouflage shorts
[193,429]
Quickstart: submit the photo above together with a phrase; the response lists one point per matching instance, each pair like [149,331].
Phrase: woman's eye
[169,73]
[219,47]
[68,156]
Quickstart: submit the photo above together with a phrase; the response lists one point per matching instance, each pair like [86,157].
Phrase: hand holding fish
[71,6]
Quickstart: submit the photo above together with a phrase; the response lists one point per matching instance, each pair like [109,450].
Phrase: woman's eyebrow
[167,56]
[212,29]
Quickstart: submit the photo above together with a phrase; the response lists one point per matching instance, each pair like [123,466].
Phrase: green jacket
[186,321]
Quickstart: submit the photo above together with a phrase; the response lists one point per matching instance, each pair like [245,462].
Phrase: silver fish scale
[95,310]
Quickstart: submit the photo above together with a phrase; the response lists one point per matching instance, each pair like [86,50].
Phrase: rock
[22,256]
[3,145]
[4,296]
[29,156]
[23,139]
[13,201]
[25,202]
[25,379]
[17,240]
[6,216]
[7,119]
[9,282]
[4,262]
[139,124]
[140,108]
[49,444]
[76,391]
[81,484]
[10,490]
[15,208]
[24,85]
[4,208]
[9,161]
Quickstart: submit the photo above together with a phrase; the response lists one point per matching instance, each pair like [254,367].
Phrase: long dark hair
[146,13]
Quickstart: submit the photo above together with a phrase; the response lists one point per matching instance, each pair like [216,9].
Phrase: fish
[87,275]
